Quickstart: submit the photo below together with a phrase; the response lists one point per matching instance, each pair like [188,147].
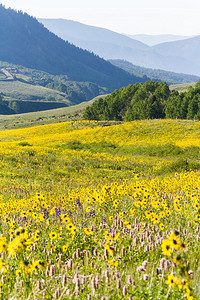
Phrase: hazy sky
[124,16]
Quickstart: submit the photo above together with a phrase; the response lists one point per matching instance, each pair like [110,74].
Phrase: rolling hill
[70,113]
[25,41]
[48,116]
[25,90]
[23,83]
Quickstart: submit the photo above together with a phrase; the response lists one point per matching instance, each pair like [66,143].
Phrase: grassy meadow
[45,117]
[23,91]
[100,210]
[183,87]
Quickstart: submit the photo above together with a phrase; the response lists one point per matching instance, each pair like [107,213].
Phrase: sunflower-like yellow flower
[3,244]
[171,281]
[166,247]
[174,240]
[65,247]
[53,235]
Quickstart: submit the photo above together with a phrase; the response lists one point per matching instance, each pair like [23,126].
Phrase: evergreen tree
[151,100]
[193,107]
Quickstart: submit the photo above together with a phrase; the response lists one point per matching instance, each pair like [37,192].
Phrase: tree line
[151,100]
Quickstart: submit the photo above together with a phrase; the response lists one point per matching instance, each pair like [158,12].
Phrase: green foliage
[14,106]
[185,105]
[4,107]
[151,100]
[76,92]
[139,101]
[181,165]
[93,147]
[24,144]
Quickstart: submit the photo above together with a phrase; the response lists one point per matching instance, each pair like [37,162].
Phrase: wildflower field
[100,210]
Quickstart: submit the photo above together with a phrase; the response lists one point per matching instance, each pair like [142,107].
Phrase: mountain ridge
[155,74]
[188,48]
[93,33]
[152,40]
[145,56]
[25,41]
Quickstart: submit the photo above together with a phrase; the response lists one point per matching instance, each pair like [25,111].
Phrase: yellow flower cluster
[91,216]
[172,243]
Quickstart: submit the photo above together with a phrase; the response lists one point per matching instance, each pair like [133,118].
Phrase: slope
[187,49]
[155,74]
[24,91]
[111,45]
[27,42]
[50,116]
[76,32]
[152,40]
[30,84]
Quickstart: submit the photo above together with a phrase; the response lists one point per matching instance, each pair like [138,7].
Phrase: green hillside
[75,91]
[34,90]
[45,117]
[24,91]
[154,74]
[25,41]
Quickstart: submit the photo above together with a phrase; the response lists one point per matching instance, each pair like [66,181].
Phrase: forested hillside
[151,100]
[25,41]
[154,74]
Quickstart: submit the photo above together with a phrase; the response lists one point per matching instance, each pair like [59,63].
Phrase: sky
[179,17]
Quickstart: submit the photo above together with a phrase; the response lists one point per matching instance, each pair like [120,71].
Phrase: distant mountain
[152,40]
[188,49]
[155,74]
[105,43]
[25,41]
[112,45]
[83,35]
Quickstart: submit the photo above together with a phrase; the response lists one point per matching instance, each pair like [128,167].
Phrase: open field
[56,115]
[92,210]
[25,91]
[182,87]
[44,117]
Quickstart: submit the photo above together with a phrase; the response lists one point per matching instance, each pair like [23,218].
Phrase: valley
[99,156]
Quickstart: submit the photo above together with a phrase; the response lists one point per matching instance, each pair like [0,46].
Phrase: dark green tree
[193,107]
